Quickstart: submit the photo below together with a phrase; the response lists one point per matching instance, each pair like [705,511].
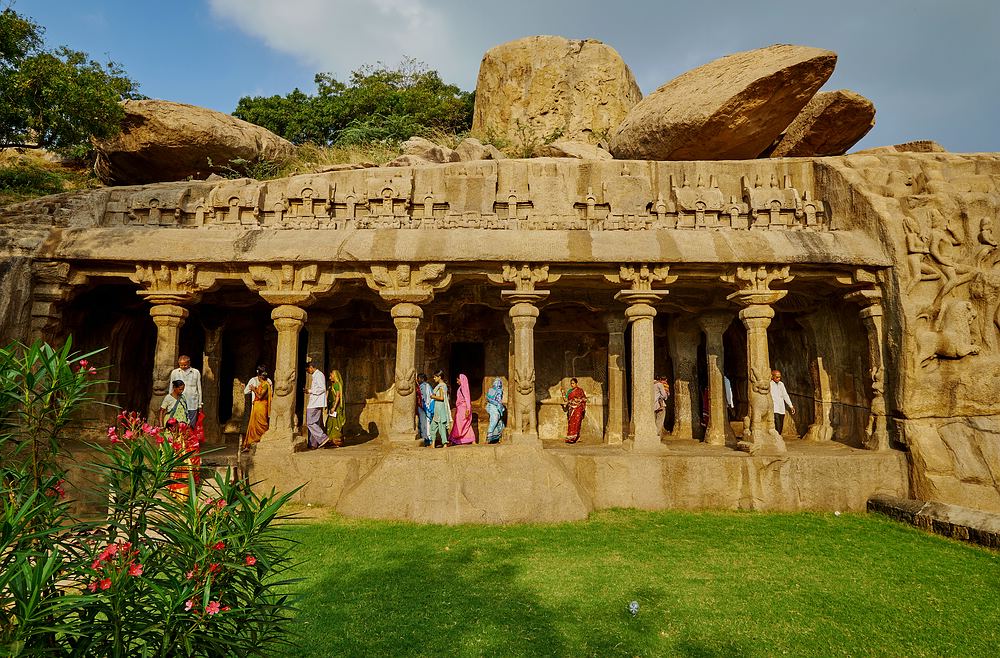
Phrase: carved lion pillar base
[524,417]
[288,320]
[406,317]
[759,434]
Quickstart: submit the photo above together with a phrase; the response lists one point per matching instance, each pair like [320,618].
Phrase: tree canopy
[55,98]
[377,103]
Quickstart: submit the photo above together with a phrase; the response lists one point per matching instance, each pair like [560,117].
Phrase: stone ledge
[963,523]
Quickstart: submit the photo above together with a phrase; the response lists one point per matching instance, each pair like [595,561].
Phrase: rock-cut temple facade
[871,281]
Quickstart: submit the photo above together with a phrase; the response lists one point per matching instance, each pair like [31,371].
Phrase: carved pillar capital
[404,282]
[168,315]
[171,284]
[754,283]
[287,284]
[642,277]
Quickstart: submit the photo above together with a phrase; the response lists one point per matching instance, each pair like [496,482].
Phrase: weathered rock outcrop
[730,109]
[830,124]
[917,146]
[567,148]
[537,86]
[164,141]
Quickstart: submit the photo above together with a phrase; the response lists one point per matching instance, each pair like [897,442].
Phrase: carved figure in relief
[942,243]
[950,336]
[921,267]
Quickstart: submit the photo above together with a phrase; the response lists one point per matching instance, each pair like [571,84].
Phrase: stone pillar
[714,325]
[288,320]
[524,414]
[615,430]
[169,318]
[821,428]
[683,344]
[210,369]
[759,434]
[877,434]
[640,316]
[406,316]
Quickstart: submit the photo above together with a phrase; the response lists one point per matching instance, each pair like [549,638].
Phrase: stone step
[963,523]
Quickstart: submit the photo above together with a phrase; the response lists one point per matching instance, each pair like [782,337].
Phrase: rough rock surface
[566,148]
[953,521]
[533,87]
[471,149]
[164,141]
[917,146]
[730,109]
[830,124]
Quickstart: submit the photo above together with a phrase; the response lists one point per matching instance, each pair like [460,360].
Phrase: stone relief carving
[528,197]
[408,283]
[287,283]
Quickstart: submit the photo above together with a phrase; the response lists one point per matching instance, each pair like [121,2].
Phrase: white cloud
[341,35]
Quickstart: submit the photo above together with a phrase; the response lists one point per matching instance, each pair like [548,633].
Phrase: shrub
[187,573]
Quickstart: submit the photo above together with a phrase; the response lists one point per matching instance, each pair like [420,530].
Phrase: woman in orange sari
[260,412]
[576,408]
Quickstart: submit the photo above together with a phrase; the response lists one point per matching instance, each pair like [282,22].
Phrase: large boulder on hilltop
[164,141]
[829,124]
[730,109]
[538,86]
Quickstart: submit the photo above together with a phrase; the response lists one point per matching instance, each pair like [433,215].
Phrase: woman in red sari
[576,408]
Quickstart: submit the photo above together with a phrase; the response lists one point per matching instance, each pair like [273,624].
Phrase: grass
[27,175]
[708,584]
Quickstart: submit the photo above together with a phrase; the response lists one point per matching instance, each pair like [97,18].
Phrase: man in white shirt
[661,393]
[192,386]
[779,394]
[315,404]
[728,390]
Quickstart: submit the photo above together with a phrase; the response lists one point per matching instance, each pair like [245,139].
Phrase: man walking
[779,394]
[315,404]
[192,387]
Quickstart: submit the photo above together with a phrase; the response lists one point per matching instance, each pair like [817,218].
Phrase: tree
[56,99]
[377,103]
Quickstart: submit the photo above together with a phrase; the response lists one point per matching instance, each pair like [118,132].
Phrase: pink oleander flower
[95,564]
[92,371]
[225,608]
[129,434]
[105,583]
[251,560]
[213,567]
[84,363]
[212,607]
[121,415]
[189,575]
[147,428]
[135,569]
[188,604]
[219,545]
[92,586]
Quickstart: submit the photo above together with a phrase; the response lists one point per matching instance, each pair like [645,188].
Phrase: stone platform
[514,484]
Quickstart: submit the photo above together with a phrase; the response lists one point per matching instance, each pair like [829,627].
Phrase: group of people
[439,427]
[437,423]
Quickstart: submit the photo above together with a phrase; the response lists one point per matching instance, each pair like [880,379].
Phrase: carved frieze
[754,283]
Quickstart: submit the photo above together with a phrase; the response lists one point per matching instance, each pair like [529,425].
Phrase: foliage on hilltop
[377,104]
[56,99]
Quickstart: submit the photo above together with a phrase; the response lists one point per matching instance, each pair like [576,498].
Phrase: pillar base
[528,439]
[774,445]
[644,444]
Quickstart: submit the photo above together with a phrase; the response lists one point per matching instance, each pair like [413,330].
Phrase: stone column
[169,318]
[683,344]
[615,430]
[406,316]
[760,434]
[640,316]
[288,320]
[877,433]
[714,326]
[211,366]
[523,315]
[821,429]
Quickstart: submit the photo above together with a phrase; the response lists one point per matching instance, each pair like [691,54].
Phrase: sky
[932,68]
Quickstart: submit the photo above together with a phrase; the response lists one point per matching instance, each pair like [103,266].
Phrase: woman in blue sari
[495,408]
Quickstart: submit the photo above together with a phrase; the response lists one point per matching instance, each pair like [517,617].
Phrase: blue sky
[930,67]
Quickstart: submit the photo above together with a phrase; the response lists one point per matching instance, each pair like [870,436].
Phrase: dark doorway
[468,359]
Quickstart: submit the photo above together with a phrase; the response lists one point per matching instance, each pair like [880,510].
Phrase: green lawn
[707,584]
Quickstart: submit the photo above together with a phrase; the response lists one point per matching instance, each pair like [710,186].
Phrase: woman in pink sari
[576,408]
[461,431]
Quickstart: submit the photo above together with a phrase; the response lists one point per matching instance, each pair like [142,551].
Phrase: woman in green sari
[335,409]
